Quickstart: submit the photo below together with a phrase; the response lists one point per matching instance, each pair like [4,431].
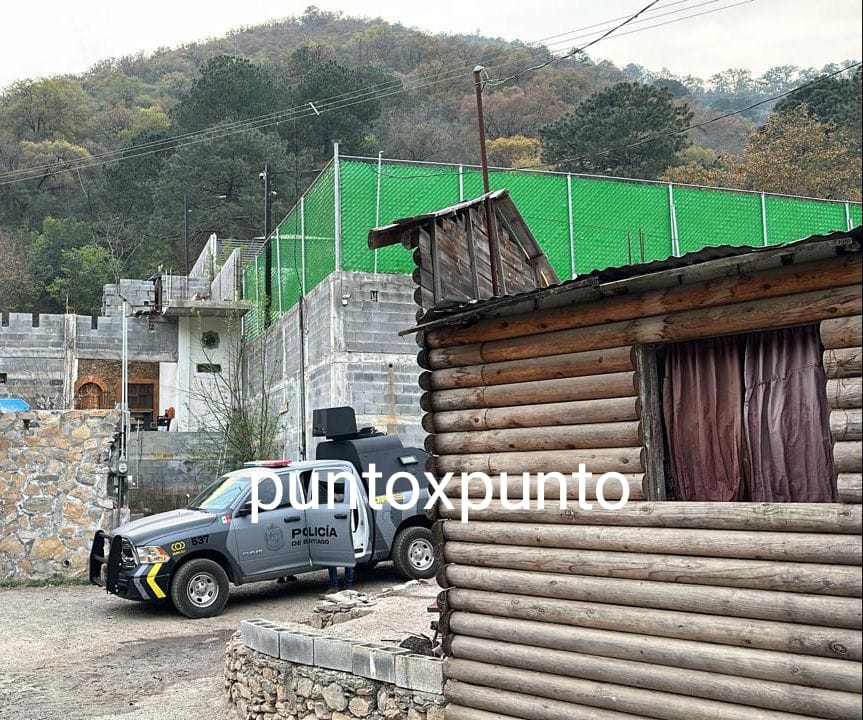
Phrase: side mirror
[244,509]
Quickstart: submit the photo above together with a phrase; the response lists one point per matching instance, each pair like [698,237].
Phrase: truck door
[275,543]
[337,536]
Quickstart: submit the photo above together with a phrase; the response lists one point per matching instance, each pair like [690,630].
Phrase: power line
[229,129]
[575,51]
[695,126]
[226,129]
[167,143]
[637,143]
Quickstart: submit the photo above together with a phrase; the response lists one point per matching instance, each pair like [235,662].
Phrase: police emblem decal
[274,538]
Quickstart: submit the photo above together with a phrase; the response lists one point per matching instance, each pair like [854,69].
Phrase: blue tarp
[13,405]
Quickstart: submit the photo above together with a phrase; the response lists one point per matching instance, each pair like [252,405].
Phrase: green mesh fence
[582,223]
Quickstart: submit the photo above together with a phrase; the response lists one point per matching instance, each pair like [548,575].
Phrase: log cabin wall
[841,338]
[735,611]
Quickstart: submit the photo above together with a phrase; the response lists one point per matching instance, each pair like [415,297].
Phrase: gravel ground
[74,652]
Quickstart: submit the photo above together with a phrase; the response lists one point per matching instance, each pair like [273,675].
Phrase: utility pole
[268,201]
[493,250]
[186,234]
[268,249]
[477,82]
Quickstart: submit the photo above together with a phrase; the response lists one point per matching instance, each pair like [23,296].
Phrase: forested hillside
[94,168]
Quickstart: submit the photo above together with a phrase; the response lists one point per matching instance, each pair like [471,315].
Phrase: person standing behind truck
[333,582]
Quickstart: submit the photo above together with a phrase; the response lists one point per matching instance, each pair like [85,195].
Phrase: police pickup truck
[188,557]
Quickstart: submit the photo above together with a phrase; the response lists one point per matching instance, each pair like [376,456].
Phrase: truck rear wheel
[413,553]
[199,588]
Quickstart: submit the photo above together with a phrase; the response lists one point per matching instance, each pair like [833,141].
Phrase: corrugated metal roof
[706,263]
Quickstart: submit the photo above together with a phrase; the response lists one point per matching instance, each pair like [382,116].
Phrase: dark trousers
[334,576]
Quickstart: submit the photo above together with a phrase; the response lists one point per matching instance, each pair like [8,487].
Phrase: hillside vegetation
[73,218]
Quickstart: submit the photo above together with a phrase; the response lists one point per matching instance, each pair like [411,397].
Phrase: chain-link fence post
[461,183]
[571,229]
[337,203]
[848,223]
[764,237]
[303,244]
[675,239]
[378,201]
[279,267]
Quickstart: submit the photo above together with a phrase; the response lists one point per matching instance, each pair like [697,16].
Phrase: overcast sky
[59,36]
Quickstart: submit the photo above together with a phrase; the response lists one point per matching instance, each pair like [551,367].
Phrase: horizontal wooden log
[563,413]
[743,544]
[845,393]
[842,332]
[799,670]
[850,486]
[514,488]
[729,632]
[595,387]
[846,424]
[650,703]
[593,362]
[848,456]
[816,702]
[786,517]
[466,701]
[773,313]
[787,280]
[565,437]
[843,362]
[622,460]
[823,610]
[810,578]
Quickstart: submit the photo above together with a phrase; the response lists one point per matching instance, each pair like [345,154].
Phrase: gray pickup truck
[188,557]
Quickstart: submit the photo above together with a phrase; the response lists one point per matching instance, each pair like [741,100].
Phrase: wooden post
[650,398]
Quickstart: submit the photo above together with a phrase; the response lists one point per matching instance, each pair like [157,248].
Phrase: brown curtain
[703,413]
[786,417]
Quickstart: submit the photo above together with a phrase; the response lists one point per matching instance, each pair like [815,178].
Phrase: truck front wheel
[413,553]
[199,588]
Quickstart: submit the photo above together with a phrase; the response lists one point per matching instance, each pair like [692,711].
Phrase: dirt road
[74,652]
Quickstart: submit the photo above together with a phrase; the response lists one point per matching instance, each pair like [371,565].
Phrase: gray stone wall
[54,490]
[276,674]
[354,356]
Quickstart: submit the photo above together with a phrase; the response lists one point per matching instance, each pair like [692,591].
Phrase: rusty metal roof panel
[701,264]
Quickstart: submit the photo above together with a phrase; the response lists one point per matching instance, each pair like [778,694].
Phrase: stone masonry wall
[53,490]
[274,674]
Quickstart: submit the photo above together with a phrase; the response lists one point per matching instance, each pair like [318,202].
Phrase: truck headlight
[151,554]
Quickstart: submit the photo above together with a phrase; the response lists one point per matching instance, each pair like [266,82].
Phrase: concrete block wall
[141,295]
[354,356]
[32,359]
[151,340]
[226,283]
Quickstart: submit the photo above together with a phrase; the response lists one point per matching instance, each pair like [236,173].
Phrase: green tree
[82,274]
[222,183]
[833,100]
[46,109]
[793,153]
[231,88]
[619,116]
[513,151]
[350,124]
[18,287]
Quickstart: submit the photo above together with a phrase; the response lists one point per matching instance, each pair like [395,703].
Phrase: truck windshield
[221,494]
